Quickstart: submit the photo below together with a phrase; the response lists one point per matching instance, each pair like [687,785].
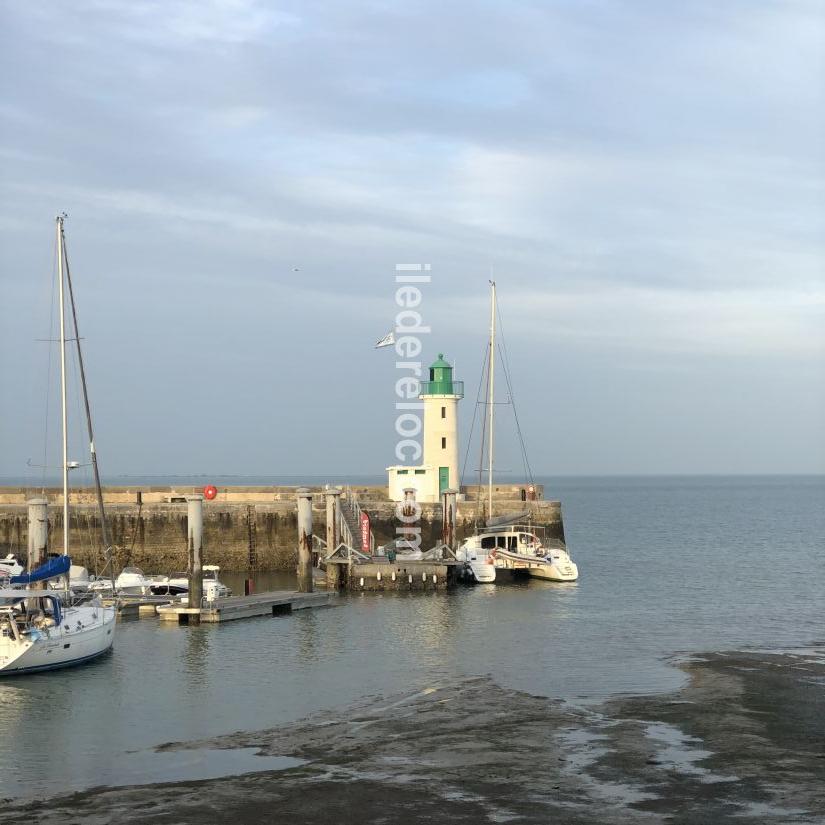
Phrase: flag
[387,341]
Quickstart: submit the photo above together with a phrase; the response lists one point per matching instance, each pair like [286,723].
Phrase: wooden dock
[272,603]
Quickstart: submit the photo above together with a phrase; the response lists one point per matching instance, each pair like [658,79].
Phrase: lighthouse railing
[440,388]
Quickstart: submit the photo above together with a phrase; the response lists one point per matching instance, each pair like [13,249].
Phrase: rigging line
[524,456]
[475,415]
[505,359]
[488,357]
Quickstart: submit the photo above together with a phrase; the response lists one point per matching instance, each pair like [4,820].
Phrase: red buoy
[210,491]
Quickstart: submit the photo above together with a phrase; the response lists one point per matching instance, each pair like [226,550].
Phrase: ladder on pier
[252,536]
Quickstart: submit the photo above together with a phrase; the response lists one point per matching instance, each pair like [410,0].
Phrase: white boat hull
[556,569]
[85,632]
[483,571]
[556,572]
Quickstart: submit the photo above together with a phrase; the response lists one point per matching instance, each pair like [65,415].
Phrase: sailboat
[504,546]
[46,629]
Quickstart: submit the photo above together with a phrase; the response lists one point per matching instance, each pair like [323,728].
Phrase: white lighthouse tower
[440,469]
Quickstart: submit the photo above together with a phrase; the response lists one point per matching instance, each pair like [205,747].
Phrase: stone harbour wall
[241,532]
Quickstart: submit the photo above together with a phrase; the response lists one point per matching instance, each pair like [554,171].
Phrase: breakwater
[245,528]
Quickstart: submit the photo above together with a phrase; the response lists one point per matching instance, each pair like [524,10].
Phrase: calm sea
[668,566]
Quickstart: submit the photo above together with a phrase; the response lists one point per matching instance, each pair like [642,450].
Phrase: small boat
[178,585]
[79,580]
[130,582]
[10,566]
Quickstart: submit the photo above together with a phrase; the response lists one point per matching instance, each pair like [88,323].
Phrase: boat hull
[555,572]
[538,567]
[483,572]
[91,633]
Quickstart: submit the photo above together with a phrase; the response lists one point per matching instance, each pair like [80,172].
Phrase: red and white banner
[365,533]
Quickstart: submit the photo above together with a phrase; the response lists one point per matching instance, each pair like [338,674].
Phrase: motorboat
[131,582]
[10,566]
[79,580]
[178,585]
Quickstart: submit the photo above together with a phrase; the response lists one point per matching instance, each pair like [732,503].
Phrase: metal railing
[354,506]
[438,388]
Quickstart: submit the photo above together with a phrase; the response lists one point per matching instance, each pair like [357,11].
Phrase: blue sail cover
[57,566]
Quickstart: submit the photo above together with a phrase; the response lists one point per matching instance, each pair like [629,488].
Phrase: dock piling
[38,537]
[304,540]
[38,531]
[194,518]
[448,518]
[409,507]
[333,496]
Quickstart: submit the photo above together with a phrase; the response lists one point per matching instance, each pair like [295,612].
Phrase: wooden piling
[38,532]
[448,518]
[194,516]
[38,539]
[304,540]
[333,496]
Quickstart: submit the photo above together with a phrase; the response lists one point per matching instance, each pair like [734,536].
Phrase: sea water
[668,567]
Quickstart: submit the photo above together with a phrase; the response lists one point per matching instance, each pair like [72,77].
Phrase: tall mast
[104,525]
[492,397]
[63,387]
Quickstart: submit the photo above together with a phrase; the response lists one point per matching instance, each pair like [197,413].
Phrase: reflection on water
[667,566]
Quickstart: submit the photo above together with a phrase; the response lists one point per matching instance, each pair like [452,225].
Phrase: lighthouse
[440,469]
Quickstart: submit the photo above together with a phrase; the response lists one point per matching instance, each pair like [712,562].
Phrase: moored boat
[42,629]
[178,585]
[502,545]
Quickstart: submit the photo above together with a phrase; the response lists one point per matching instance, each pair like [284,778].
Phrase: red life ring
[210,492]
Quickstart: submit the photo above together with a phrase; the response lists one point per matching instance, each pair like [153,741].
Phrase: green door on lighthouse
[443,479]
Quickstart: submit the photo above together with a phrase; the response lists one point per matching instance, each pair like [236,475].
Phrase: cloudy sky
[644,179]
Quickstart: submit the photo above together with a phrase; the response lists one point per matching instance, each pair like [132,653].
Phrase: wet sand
[742,742]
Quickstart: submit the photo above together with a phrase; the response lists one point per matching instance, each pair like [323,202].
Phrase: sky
[644,181]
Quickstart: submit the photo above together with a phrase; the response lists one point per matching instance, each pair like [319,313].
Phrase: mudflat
[742,742]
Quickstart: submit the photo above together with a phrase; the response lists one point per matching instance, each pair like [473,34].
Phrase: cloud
[641,177]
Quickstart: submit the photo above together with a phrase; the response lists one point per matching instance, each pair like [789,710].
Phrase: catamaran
[505,546]
[45,629]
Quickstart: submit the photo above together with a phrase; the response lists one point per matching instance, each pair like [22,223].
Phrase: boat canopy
[506,521]
[54,567]
[15,596]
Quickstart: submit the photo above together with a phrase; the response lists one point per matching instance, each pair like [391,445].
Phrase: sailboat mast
[63,387]
[492,397]
[104,524]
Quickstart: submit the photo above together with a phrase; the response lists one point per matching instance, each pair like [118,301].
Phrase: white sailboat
[506,547]
[45,629]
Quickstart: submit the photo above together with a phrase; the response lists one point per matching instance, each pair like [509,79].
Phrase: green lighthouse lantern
[441,378]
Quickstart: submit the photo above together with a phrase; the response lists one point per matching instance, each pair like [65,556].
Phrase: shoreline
[742,741]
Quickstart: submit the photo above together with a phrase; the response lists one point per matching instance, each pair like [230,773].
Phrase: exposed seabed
[743,742]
